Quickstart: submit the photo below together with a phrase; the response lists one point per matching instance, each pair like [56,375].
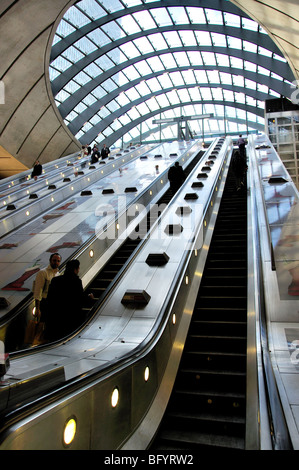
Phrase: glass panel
[158,42]
[231,20]
[161,16]
[196,15]
[99,37]
[145,20]
[178,15]
[188,38]
[128,24]
[113,31]
[155,64]
[76,17]
[92,8]
[173,39]
[143,45]
[130,50]
[214,16]
[113,5]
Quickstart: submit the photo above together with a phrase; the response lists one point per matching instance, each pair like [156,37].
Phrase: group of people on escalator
[59,298]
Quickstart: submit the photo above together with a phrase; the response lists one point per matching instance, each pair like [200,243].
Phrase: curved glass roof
[118,65]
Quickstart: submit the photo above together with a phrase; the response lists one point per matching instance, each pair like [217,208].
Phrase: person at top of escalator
[176,177]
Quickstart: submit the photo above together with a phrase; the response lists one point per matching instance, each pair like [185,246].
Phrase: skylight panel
[196,15]
[188,38]
[201,76]
[152,104]
[214,16]
[168,61]
[250,66]
[178,15]
[213,76]
[250,84]
[92,8]
[217,94]
[145,20]
[231,19]
[76,17]
[89,100]
[61,64]
[238,80]
[65,28]
[219,40]
[155,64]
[263,71]
[113,5]
[122,99]
[73,54]
[264,51]
[71,87]
[99,92]
[129,24]
[104,63]
[209,58]
[162,16]
[109,85]
[99,37]
[195,58]
[203,38]
[120,78]
[173,97]
[62,96]
[228,95]
[144,45]
[117,56]
[85,45]
[237,63]
[183,95]
[172,38]
[181,58]
[143,68]
[142,88]
[188,77]
[234,42]
[162,100]
[133,113]
[142,109]
[206,93]
[222,60]
[53,73]
[225,78]
[176,78]
[249,47]
[131,73]
[113,31]
[93,70]
[133,3]
[158,42]
[130,50]
[165,81]
[249,24]
[153,84]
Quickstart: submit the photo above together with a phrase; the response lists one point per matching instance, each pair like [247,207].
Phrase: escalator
[207,407]
[116,263]
[106,277]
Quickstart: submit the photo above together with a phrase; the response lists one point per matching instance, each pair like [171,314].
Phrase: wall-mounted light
[69,432]
[146,373]
[115,397]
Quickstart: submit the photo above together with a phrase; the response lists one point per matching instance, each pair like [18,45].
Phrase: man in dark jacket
[105,152]
[65,302]
[176,177]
